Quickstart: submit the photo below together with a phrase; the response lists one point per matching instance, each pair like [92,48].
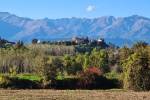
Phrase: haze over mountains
[123,30]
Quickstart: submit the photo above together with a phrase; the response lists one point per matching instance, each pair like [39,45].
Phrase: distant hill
[123,30]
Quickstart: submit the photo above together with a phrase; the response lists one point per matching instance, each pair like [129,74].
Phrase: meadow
[73,95]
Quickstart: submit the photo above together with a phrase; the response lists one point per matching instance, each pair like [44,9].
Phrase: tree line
[129,66]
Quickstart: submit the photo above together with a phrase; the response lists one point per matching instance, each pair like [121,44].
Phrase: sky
[54,9]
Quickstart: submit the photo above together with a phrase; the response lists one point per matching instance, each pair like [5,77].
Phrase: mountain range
[120,30]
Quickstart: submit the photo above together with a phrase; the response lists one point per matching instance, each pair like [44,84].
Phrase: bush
[66,83]
[93,78]
[16,83]
[88,77]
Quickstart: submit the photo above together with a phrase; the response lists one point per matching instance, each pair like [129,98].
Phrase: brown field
[72,95]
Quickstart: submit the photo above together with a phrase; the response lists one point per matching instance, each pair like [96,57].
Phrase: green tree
[51,69]
[137,71]
[72,64]
[86,61]
[99,58]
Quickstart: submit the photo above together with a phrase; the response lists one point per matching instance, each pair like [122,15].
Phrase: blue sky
[75,8]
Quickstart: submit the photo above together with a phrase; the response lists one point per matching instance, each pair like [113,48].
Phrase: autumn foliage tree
[137,71]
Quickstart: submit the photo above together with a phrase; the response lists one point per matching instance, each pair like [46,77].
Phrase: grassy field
[72,95]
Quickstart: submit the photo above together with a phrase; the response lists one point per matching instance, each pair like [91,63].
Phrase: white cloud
[90,8]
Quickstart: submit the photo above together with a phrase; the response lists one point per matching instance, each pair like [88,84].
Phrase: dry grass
[72,95]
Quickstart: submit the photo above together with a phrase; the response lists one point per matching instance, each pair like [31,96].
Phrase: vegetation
[74,66]
[137,70]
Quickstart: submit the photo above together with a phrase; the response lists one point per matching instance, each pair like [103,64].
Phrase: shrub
[66,83]
[16,83]
[88,77]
